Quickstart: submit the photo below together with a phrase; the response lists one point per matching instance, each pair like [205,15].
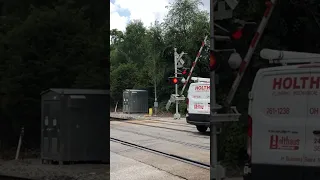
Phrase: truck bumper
[198,119]
[280,172]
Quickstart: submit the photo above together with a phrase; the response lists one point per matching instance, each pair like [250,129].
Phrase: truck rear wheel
[202,128]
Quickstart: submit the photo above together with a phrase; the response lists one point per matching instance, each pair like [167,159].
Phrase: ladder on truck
[200,79]
[285,58]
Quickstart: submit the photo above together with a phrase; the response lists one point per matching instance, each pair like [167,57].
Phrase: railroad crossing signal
[175,98]
[184,71]
[178,59]
[222,12]
[237,34]
[175,80]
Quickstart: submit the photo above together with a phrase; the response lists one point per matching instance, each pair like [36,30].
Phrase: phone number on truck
[282,110]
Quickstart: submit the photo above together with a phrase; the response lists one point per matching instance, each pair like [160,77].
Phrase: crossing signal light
[237,34]
[213,62]
[174,80]
[184,71]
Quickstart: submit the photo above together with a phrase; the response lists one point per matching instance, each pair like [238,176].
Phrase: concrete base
[176,116]
[129,169]
[217,173]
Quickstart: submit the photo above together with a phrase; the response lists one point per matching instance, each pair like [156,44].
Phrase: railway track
[172,156]
[174,129]
[158,121]
[166,139]
[171,123]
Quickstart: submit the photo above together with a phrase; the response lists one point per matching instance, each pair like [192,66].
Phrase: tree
[185,27]
[123,77]
[53,47]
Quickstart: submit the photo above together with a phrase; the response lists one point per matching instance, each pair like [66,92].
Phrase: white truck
[284,117]
[198,103]
[284,114]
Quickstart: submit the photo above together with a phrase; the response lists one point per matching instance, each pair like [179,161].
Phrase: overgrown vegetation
[46,44]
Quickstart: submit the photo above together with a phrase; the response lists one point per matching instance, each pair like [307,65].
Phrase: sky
[148,11]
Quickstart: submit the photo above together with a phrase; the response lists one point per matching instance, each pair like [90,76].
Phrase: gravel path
[32,168]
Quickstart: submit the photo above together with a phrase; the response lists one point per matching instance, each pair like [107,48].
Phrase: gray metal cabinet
[75,125]
[135,101]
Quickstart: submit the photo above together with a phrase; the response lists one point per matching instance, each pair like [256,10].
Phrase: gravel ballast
[32,168]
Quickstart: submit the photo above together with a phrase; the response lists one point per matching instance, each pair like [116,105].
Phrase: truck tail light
[187,101]
[249,126]
[249,147]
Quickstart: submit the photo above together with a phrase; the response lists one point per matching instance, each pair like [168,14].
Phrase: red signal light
[184,72]
[237,34]
[213,62]
[174,80]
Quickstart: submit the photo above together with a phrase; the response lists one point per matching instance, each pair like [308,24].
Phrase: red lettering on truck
[284,142]
[198,106]
[314,111]
[296,83]
[202,88]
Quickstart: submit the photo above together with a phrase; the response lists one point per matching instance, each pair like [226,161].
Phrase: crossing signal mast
[225,113]
[175,98]
[185,82]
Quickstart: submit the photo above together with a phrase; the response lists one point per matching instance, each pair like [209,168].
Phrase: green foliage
[52,46]
[234,140]
[123,77]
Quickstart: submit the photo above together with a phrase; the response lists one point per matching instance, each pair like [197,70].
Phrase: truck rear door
[278,118]
[312,147]
[199,98]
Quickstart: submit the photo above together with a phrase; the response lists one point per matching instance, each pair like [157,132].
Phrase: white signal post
[217,171]
[214,174]
[178,61]
[176,115]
